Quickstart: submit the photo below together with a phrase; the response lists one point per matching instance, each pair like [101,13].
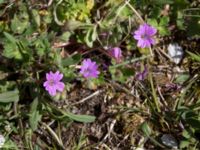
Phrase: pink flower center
[88,70]
[145,36]
[52,82]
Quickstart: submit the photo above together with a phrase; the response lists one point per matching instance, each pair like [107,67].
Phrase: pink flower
[53,84]
[116,52]
[144,36]
[89,69]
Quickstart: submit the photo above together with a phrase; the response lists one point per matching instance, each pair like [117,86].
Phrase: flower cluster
[89,69]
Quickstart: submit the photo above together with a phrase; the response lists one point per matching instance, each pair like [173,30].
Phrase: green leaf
[36,17]
[11,50]
[94,33]
[65,36]
[71,60]
[81,118]
[163,31]
[153,22]
[11,96]
[17,25]
[184,144]
[194,56]
[91,36]
[186,134]
[182,78]
[146,129]
[164,21]
[72,25]
[11,38]
[34,115]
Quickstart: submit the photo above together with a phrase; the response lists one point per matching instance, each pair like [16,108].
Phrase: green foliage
[80,118]
[34,115]
[162,25]
[42,36]
[11,96]
[194,57]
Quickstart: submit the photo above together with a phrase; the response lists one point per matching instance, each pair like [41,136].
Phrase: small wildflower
[53,83]
[2,140]
[89,69]
[144,36]
[116,52]
[141,75]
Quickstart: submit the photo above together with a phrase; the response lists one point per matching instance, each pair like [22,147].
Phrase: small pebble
[169,140]
[175,52]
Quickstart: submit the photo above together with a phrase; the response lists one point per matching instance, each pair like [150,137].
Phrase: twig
[88,97]
[133,9]
[109,130]
[54,135]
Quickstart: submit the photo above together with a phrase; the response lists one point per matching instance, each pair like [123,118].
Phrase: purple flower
[144,36]
[52,83]
[89,69]
[141,75]
[116,52]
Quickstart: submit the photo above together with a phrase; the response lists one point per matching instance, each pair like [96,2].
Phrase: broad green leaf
[71,60]
[11,51]
[11,38]
[164,21]
[184,144]
[34,116]
[153,22]
[146,129]
[182,78]
[186,134]
[65,36]
[163,31]
[36,17]
[17,25]
[11,96]
[81,118]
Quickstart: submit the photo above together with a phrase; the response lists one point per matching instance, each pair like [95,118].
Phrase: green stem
[153,91]
[130,61]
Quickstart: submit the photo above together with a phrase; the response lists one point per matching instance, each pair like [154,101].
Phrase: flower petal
[60,86]
[45,84]
[52,91]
